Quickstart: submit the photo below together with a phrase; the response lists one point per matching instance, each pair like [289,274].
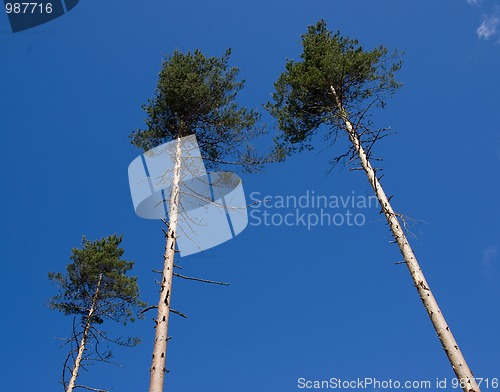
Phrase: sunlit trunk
[443,331]
[83,341]
[158,369]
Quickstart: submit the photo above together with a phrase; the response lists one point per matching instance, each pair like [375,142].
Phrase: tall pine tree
[195,95]
[95,288]
[332,89]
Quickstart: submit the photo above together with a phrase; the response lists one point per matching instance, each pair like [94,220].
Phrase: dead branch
[201,280]
[178,313]
[407,221]
[91,389]
[149,308]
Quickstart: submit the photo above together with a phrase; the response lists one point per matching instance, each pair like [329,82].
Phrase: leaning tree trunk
[158,369]
[450,346]
[83,341]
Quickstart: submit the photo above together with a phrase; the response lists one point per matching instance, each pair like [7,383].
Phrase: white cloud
[473,2]
[489,27]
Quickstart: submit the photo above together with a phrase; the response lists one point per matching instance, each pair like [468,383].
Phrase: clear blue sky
[319,303]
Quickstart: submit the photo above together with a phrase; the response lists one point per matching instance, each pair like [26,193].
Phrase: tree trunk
[83,342]
[158,369]
[450,346]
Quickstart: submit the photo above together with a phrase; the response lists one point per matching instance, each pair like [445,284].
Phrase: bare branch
[91,389]
[201,280]
[178,313]
[149,308]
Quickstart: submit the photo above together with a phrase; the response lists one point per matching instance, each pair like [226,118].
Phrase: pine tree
[332,88]
[195,95]
[93,289]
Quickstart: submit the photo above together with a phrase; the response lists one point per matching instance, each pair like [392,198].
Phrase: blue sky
[314,304]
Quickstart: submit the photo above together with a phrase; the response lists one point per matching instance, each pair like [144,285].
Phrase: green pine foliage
[303,100]
[118,294]
[196,94]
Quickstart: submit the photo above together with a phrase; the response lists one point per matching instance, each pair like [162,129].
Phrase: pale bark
[443,331]
[83,341]
[157,371]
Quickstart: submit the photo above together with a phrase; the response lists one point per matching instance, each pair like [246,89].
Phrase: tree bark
[83,342]
[157,371]
[450,346]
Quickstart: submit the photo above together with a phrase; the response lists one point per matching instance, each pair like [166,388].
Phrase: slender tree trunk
[443,331]
[158,369]
[83,342]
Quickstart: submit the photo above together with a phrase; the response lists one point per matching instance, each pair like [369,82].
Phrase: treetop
[303,98]
[97,267]
[196,94]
